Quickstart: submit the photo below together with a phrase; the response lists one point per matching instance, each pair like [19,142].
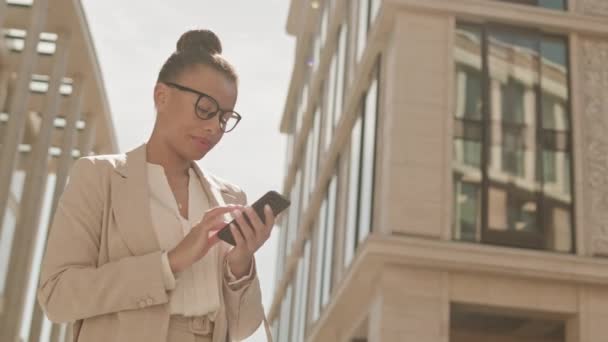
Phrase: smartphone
[277,203]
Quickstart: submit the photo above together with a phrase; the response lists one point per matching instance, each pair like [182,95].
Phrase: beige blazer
[102,265]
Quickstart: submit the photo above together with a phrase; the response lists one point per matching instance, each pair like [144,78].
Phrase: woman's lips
[202,142]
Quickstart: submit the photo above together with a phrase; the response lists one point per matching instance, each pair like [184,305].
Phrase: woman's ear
[160,96]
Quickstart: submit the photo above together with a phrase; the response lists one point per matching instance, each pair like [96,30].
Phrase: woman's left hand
[248,239]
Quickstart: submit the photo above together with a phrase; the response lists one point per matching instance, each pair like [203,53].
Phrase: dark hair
[196,47]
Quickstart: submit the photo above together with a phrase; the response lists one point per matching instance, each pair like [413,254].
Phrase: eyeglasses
[206,107]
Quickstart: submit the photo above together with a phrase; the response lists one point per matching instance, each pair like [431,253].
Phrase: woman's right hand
[198,241]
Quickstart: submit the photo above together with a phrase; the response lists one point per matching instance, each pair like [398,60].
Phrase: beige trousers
[189,329]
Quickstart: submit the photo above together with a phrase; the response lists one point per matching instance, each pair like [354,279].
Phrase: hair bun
[195,40]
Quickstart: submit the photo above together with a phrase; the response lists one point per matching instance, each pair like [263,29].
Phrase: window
[512,169]
[320,237]
[374,7]
[361,171]
[285,319]
[552,4]
[10,222]
[340,73]
[294,212]
[297,309]
[324,19]
[330,104]
[362,26]
[304,268]
[354,169]
[368,160]
[328,239]
[302,103]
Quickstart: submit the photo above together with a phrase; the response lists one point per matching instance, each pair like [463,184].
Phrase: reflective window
[552,4]
[285,316]
[515,188]
[10,221]
[300,296]
[368,160]
[319,241]
[340,73]
[294,211]
[315,146]
[330,104]
[324,19]
[328,239]
[352,208]
[361,171]
[374,7]
[362,25]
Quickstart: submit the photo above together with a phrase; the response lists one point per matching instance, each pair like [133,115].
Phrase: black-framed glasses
[206,107]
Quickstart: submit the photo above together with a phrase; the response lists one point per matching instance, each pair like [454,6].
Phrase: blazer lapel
[213,190]
[131,203]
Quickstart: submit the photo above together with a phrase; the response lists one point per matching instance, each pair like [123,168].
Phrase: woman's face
[177,123]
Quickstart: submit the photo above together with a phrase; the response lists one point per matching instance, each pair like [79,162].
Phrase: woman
[132,253]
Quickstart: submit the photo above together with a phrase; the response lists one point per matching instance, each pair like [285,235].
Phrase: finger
[213,239]
[238,238]
[256,221]
[213,225]
[269,218]
[218,211]
[247,231]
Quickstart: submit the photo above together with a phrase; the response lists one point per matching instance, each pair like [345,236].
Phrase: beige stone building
[448,171]
[53,109]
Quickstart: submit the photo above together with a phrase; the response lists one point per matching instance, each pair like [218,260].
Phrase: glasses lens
[228,121]
[206,107]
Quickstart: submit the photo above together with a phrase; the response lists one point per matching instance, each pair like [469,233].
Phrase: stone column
[65,161]
[415,144]
[38,172]
[418,311]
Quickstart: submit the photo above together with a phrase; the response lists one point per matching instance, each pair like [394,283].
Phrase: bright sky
[133,39]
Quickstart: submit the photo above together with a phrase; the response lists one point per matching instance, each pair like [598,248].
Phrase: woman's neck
[160,153]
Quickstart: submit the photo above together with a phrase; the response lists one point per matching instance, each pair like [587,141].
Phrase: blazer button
[142,303]
[149,301]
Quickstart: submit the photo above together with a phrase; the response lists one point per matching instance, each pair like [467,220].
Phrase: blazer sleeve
[72,286]
[243,302]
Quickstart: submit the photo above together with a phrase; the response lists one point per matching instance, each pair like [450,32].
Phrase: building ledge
[356,289]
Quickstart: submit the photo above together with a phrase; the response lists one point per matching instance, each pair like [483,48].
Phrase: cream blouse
[194,291]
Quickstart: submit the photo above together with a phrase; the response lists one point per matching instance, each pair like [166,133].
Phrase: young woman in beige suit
[132,253]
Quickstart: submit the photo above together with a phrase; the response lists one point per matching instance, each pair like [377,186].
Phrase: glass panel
[324,18]
[514,78]
[368,160]
[294,211]
[552,4]
[467,148]
[362,26]
[330,104]
[6,240]
[301,109]
[556,174]
[353,191]
[307,177]
[316,53]
[297,309]
[329,240]
[340,74]
[374,9]
[316,131]
[284,332]
[304,293]
[320,238]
